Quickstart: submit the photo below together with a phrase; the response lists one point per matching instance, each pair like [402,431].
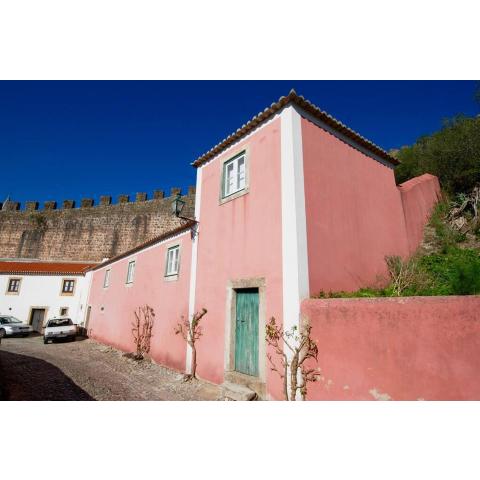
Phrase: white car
[13,326]
[60,327]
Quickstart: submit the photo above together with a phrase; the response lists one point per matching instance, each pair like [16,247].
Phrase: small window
[130,271]
[173,261]
[234,175]
[14,285]
[106,280]
[63,311]
[68,286]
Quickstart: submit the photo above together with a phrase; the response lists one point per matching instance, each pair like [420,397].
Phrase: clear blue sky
[67,140]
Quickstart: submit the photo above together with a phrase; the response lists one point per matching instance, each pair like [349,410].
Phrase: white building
[34,291]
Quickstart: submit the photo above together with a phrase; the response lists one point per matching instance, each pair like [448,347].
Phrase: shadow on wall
[27,378]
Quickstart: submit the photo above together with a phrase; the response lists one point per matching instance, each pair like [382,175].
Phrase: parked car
[13,326]
[60,327]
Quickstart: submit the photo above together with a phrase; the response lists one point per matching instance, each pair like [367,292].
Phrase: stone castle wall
[89,233]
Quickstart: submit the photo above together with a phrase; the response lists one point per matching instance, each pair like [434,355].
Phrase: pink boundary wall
[169,299]
[408,348]
[356,214]
[419,196]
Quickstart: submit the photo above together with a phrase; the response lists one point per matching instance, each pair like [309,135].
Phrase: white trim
[106,277]
[294,223]
[132,263]
[193,263]
[88,279]
[174,271]
[226,192]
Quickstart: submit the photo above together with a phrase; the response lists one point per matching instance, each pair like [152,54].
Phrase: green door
[246,332]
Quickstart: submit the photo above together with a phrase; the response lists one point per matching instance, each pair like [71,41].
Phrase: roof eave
[148,243]
[274,108]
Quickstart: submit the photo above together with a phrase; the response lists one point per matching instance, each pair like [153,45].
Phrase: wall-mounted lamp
[177,205]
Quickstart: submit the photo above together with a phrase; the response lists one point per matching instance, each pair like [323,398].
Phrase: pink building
[290,204]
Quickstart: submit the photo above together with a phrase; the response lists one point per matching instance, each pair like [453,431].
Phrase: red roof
[45,267]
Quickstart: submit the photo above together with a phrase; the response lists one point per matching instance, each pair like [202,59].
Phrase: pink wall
[400,348]
[169,299]
[240,239]
[419,196]
[354,213]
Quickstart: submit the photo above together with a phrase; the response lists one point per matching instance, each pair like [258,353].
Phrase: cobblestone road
[86,370]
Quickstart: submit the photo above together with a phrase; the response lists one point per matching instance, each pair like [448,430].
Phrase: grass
[446,235]
[455,272]
[450,271]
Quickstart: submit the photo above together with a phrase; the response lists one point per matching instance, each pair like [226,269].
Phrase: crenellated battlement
[87,231]
[105,200]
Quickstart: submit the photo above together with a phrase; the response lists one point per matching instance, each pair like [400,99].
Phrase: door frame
[30,318]
[230,329]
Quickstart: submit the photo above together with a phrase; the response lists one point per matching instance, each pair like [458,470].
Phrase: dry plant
[142,330]
[465,206]
[191,332]
[404,274]
[294,347]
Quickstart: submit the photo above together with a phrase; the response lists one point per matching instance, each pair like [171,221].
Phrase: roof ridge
[309,107]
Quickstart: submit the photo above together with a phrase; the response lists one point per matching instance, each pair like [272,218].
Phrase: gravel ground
[87,370]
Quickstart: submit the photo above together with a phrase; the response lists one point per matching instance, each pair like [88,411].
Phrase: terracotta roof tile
[309,107]
[182,228]
[38,267]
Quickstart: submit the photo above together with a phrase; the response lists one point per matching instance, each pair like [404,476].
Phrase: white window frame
[240,183]
[130,272]
[106,279]
[172,264]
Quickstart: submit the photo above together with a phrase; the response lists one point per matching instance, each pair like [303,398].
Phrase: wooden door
[246,332]
[38,314]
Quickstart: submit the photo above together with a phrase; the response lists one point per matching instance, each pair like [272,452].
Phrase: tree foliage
[452,154]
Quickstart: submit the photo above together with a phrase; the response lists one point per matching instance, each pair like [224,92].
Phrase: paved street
[86,370]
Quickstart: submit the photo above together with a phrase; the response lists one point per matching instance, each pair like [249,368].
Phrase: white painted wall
[38,291]
[294,222]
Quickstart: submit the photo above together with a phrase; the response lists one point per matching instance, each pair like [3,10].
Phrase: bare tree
[191,332]
[294,347]
[142,330]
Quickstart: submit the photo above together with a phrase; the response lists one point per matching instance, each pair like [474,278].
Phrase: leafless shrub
[142,330]
[294,347]
[405,274]
[191,332]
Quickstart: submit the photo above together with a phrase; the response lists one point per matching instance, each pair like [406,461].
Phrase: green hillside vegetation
[452,154]
[448,261]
